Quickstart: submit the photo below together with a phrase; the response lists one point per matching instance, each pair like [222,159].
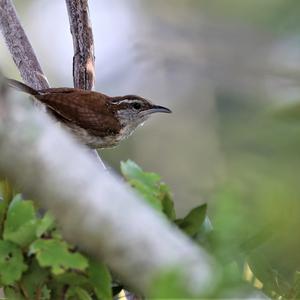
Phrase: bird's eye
[136,105]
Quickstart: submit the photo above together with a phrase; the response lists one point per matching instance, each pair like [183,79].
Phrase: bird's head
[133,110]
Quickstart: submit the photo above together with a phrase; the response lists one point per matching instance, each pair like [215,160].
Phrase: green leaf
[56,254]
[167,202]
[149,194]
[56,234]
[11,263]
[131,170]
[156,193]
[169,285]
[12,293]
[72,278]
[21,222]
[203,236]
[147,184]
[77,293]
[45,293]
[34,279]
[16,198]
[191,224]
[101,280]
[45,224]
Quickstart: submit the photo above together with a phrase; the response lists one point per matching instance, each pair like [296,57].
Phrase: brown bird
[97,120]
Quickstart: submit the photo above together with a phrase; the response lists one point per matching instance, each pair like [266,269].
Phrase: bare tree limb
[20,47]
[83,42]
[95,209]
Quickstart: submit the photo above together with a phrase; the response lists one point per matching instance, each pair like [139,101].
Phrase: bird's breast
[94,141]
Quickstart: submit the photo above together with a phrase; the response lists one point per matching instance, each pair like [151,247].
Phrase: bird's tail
[21,87]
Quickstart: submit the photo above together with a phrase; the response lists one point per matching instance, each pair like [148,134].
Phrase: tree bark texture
[83,43]
[20,47]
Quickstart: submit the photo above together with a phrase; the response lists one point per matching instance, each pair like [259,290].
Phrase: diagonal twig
[20,47]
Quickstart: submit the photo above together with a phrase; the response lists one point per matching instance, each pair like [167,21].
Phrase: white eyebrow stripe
[127,101]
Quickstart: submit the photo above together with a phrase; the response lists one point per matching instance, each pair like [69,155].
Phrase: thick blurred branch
[83,42]
[20,47]
[95,209]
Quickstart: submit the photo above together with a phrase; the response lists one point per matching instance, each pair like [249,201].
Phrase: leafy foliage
[170,285]
[55,254]
[34,281]
[192,223]
[21,222]
[11,263]
[100,279]
[156,193]
[36,262]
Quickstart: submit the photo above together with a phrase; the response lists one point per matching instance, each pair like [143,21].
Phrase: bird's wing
[86,110]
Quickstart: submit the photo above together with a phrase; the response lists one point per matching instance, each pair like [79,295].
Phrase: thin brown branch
[20,47]
[83,42]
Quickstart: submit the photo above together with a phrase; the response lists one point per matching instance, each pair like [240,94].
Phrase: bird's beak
[154,109]
[158,109]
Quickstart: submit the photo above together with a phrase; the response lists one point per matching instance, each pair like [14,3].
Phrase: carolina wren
[97,120]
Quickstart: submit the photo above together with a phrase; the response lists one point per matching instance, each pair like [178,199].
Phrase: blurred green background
[229,70]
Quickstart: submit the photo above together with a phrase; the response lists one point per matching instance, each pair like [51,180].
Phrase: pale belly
[96,142]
